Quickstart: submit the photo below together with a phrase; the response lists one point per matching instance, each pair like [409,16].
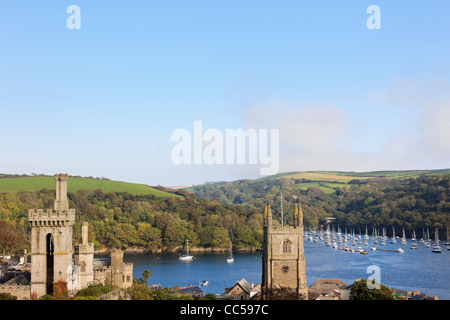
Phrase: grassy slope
[334,179]
[74,184]
[341,176]
[331,177]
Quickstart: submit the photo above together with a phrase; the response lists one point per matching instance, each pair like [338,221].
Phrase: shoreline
[137,250]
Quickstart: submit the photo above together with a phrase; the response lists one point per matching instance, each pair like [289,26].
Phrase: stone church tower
[51,241]
[283,254]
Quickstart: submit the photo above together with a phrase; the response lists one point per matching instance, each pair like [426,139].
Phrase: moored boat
[186,256]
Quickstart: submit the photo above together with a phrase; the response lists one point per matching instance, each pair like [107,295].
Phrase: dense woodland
[123,220]
[415,203]
[213,215]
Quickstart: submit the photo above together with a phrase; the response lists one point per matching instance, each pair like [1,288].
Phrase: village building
[242,290]
[328,289]
[191,290]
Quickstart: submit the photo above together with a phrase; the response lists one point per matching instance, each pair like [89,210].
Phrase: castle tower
[51,241]
[117,268]
[84,258]
[283,254]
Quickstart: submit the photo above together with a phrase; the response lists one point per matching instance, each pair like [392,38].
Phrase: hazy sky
[104,100]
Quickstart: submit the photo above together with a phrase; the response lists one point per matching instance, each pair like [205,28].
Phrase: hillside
[128,216]
[347,176]
[400,199]
[330,181]
[77,183]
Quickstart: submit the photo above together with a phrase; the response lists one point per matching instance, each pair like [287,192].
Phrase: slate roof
[194,290]
[12,278]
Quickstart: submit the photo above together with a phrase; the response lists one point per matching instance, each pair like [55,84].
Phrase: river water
[412,270]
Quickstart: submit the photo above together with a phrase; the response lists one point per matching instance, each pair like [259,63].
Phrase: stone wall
[20,291]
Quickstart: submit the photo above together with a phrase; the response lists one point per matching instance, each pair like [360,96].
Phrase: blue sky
[104,100]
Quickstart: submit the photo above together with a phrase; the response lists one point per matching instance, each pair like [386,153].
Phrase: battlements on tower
[50,217]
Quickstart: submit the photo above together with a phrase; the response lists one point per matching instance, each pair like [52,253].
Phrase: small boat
[436,248]
[399,250]
[394,239]
[230,259]
[373,248]
[447,242]
[404,237]
[186,256]
[413,248]
[204,283]
[363,252]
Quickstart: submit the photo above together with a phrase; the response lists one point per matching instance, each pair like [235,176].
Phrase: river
[412,270]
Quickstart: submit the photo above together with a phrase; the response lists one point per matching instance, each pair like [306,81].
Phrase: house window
[286,246]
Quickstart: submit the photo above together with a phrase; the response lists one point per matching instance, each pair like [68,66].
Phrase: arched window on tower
[286,246]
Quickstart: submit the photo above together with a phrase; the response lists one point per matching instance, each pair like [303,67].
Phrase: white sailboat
[447,241]
[404,237]
[394,240]
[383,237]
[230,259]
[436,247]
[428,241]
[186,256]
[413,239]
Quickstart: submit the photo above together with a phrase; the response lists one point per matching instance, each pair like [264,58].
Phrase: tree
[9,239]
[60,290]
[150,237]
[220,238]
[281,293]
[7,296]
[146,274]
[360,291]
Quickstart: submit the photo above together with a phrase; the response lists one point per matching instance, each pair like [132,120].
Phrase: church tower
[51,241]
[283,254]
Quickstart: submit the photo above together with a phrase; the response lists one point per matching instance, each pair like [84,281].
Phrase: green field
[323,176]
[74,184]
[328,188]
[342,176]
